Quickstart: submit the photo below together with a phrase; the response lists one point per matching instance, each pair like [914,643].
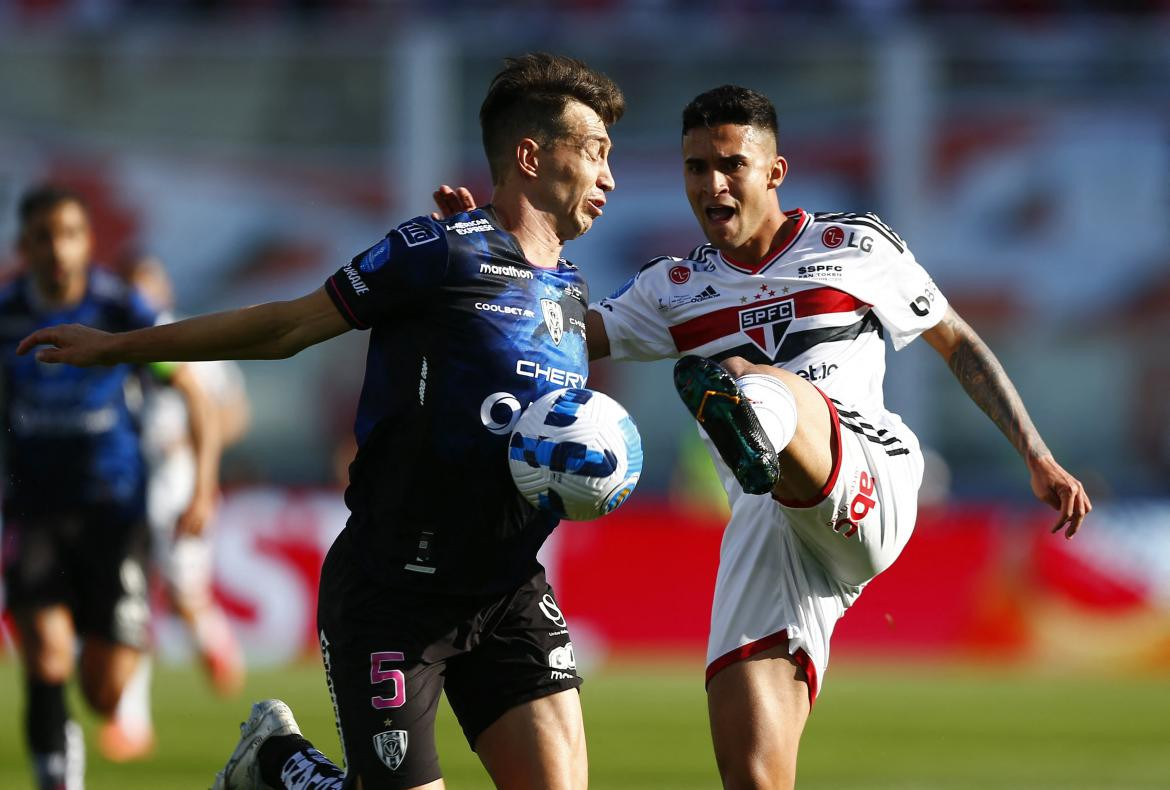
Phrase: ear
[779,170]
[528,157]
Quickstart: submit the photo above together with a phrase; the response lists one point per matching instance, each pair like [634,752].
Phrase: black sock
[44,726]
[45,716]
[291,762]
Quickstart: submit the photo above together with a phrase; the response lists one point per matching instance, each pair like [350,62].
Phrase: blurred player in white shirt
[780,323]
[178,488]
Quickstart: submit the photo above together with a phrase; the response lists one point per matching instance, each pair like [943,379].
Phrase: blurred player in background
[822,479]
[434,583]
[180,495]
[75,540]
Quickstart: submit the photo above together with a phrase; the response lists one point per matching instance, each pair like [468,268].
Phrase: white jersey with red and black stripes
[819,305]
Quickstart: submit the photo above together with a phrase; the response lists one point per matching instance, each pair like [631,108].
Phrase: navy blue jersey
[464,334]
[70,436]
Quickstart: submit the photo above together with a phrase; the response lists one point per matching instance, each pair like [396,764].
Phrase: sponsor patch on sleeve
[416,233]
[375,257]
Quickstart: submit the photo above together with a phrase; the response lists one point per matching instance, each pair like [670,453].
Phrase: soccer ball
[575,453]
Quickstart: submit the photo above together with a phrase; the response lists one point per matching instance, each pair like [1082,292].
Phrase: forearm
[988,385]
[259,332]
[204,432]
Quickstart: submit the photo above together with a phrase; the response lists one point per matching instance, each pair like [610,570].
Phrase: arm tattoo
[985,381]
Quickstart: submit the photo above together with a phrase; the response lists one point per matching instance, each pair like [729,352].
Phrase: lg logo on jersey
[834,236]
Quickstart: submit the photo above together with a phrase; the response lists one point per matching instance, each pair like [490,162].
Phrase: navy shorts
[91,559]
[389,653]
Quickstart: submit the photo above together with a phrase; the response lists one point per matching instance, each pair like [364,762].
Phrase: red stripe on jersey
[725,322]
[743,653]
[339,299]
[801,218]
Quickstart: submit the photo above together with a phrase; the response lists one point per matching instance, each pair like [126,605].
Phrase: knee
[759,772]
[53,667]
[737,366]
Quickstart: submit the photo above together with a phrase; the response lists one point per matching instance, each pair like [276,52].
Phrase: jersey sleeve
[633,322]
[401,270]
[903,295]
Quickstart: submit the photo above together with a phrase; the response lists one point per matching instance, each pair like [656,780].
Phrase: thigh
[771,593]
[35,558]
[523,653]
[384,683]
[537,745]
[865,517]
[758,709]
[112,603]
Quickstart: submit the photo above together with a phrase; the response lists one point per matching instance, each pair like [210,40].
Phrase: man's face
[576,172]
[56,245]
[730,173]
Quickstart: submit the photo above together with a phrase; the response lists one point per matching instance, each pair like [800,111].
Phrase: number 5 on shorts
[395,676]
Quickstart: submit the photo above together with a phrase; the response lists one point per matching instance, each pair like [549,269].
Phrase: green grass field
[931,727]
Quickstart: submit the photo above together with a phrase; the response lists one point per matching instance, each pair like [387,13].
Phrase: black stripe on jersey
[868,220]
[797,343]
[698,253]
[653,261]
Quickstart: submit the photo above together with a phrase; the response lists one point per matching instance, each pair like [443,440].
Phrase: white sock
[133,711]
[774,404]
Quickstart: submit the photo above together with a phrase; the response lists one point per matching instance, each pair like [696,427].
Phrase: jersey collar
[802,218]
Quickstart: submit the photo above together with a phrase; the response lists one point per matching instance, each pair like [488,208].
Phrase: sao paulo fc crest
[766,324]
[390,746]
[554,319]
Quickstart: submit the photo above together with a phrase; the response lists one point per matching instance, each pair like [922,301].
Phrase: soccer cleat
[268,718]
[715,400]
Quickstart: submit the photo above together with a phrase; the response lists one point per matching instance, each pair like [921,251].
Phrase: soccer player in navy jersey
[779,322]
[433,584]
[75,533]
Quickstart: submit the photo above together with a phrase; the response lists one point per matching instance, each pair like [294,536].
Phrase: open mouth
[595,206]
[719,214]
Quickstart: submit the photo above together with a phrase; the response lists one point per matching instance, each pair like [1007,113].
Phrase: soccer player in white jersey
[181,484]
[780,323]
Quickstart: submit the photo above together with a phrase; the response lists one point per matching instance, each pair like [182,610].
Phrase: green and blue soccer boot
[715,400]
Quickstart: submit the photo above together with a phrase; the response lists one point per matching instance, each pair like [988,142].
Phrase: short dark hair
[43,197]
[528,98]
[731,104]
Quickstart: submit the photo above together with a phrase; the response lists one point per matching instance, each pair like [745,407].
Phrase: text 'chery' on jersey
[72,438]
[818,306]
[465,333]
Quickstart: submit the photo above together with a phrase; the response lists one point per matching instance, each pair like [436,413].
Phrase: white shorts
[789,570]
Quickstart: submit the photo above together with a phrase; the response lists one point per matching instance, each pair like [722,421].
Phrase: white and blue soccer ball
[576,453]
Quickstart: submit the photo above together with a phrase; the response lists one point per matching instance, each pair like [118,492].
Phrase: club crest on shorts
[390,746]
[554,319]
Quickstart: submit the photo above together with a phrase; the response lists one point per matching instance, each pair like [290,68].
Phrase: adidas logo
[707,293]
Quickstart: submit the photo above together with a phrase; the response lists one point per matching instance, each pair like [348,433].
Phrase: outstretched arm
[985,381]
[203,428]
[274,330]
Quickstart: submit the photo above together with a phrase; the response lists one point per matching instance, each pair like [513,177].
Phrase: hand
[72,344]
[451,201]
[197,516]
[1060,490]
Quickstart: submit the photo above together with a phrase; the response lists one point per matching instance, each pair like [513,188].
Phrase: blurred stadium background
[1022,147]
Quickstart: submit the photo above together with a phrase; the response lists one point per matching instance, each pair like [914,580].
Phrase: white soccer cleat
[269,717]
